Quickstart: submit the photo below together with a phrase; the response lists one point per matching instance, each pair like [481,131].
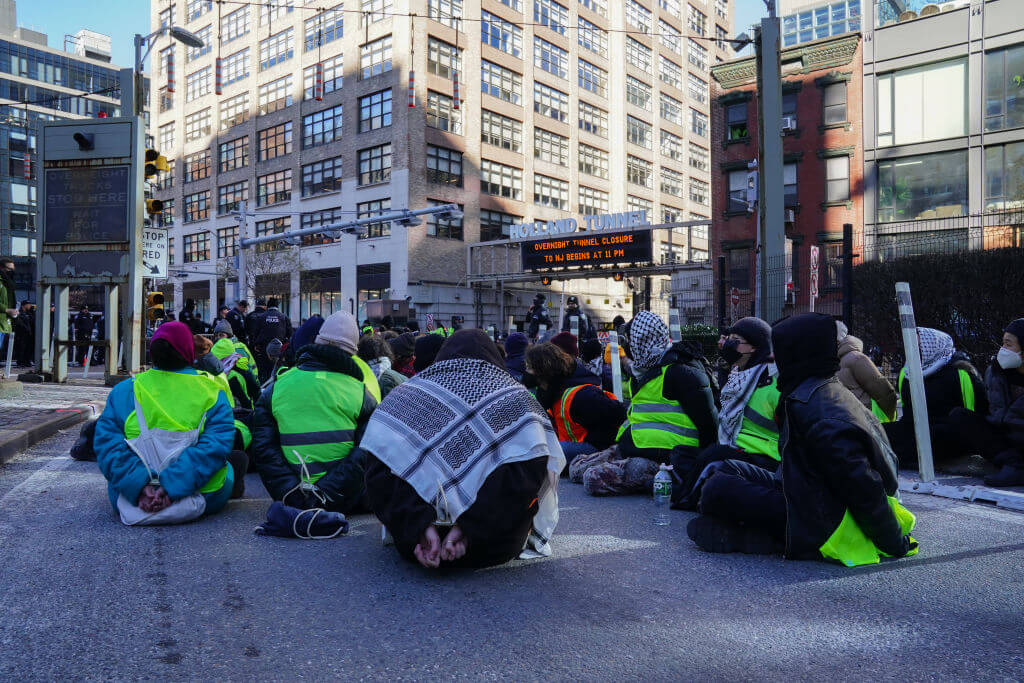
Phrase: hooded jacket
[515,355]
[1005,412]
[8,299]
[858,374]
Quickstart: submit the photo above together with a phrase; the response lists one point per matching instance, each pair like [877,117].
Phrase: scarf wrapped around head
[648,340]
[805,346]
[445,430]
[936,349]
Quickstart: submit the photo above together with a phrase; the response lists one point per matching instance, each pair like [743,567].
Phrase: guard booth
[92,206]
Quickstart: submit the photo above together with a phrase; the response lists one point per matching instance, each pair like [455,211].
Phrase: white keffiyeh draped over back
[445,430]
[735,396]
[648,340]
[936,349]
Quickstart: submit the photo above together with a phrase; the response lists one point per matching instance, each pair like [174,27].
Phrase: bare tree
[268,270]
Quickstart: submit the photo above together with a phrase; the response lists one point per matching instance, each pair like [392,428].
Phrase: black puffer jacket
[942,391]
[343,482]
[1005,412]
[835,457]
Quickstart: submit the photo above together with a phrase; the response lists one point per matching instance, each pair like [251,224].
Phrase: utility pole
[771,185]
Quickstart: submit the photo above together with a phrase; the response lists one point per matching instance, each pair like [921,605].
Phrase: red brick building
[823,157]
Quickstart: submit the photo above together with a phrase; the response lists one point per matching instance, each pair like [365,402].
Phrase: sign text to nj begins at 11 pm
[588,250]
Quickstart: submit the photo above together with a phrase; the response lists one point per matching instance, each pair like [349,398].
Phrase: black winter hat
[404,345]
[1016,328]
[755,331]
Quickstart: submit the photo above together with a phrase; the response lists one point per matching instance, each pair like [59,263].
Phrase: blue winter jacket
[188,473]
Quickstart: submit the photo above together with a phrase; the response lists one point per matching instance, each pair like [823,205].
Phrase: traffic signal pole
[771,184]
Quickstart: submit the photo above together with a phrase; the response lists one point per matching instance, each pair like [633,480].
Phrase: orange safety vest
[565,427]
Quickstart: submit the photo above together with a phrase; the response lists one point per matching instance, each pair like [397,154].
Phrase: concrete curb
[27,434]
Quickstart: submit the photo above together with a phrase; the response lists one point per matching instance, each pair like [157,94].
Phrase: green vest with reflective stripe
[369,379]
[247,361]
[316,413]
[966,387]
[851,546]
[758,432]
[656,422]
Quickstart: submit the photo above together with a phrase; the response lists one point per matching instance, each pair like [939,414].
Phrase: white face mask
[1007,359]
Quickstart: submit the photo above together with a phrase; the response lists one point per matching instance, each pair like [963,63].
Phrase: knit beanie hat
[223,327]
[179,337]
[756,331]
[516,343]
[404,345]
[340,329]
[590,349]
[427,347]
[567,342]
[1016,328]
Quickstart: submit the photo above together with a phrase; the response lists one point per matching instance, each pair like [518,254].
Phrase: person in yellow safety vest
[747,429]
[246,361]
[950,382]
[836,495]
[245,388]
[308,423]
[585,417]
[164,439]
[673,404]
[860,375]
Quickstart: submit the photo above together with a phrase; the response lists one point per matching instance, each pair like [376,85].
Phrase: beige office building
[564,109]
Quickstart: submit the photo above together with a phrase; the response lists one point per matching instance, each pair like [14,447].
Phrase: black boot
[719,536]
[1009,475]
[240,464]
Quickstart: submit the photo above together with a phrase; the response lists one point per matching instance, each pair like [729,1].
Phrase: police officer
[273,324]
[537,316]
[83,325]
[252,320]
[572,310]
[236,317]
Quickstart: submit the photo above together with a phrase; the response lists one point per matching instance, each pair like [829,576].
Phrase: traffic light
[155,306]
[155,162]
[618,276]
[545,281]
[154,206]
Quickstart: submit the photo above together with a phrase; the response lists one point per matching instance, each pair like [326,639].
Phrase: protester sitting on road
[308,424]
[579,374]
[515,355]
[377,354]
[164,438]
[586,418]
[478,458]
[245,388]
[673,404]
[999,435]
[404,348]
[950,381]
[860,375]
[836,497]
[224,330]
[303,335]
[590,355]
[427,347]
[204,359]
[747,429]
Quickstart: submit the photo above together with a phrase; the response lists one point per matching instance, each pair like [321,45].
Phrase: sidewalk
[44,409]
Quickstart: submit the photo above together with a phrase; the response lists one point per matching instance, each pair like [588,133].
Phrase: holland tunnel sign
[565,226]
[604,249]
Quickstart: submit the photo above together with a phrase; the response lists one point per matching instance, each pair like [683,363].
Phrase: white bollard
[675,331]
[915,375]
[613,355]
[10,353]
[88,360]
[574,326]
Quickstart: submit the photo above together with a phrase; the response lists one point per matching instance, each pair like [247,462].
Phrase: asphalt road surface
[83,597]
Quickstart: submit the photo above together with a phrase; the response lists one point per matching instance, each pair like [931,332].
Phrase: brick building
[823,157]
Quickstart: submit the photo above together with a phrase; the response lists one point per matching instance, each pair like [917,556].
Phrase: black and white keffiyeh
[445,430]
[736,394]
[936,349]
[648,340]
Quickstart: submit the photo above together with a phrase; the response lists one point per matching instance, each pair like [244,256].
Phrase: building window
[550,192]
[501,131]
[699,157]
[274,226]
[595,6]
[639,172]
[593,161]
[1004,79]
[197,247]
[230,197]
[227,242]
[834,103]
[501,34]
[234,110]
[638,132]
[375,110]
[198,84]
[324,27]
[375,207]
[639,204]
[198,124]
[501,180]
[375,57]
[1004,177]
[551,14]
[671,109]
[669,72]
[443,59]
[276,49]
[906,103]
[197,166]
[593,120]
[166,100]
[274,142]
[738,192]
[698,123]
[165,219]
[500,82]
[372,281]
[197,206]
[790,193]
[639,16]
[789,102]
[375,10]
[447,12]
[550,147]
[739,268]
[671,146]
[321,176]
[441,115]
[638,93]
[496,225]
[927,186]
[672,7]
[444,166]
[275,95]
[550,58]
[275,9]
[697,54]
[375,164]
[444,227]
[333,76]
[236,66]
[203,34]
[234,25]
[696,20]
[321,127]
[720,38]
[592,37]
[698,191]
[736,122]
[837,179]
[638,54]
[670,37]
[818,21]
[233,154]
[196,8]
[319,219]
[274,187]
[550,102]
[697,89]
[167,16]
[592,78]
[592,202]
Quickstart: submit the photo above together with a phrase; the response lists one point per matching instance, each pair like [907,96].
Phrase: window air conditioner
[790,215]
[788,124]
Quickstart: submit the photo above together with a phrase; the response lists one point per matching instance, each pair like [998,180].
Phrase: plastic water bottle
[662,495]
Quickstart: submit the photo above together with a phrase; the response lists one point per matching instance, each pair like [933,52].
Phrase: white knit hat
[339,329]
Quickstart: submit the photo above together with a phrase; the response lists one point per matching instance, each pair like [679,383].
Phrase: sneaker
[714,535]
[1010,475]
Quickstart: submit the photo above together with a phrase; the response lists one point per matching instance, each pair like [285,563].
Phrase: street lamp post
[181,35]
